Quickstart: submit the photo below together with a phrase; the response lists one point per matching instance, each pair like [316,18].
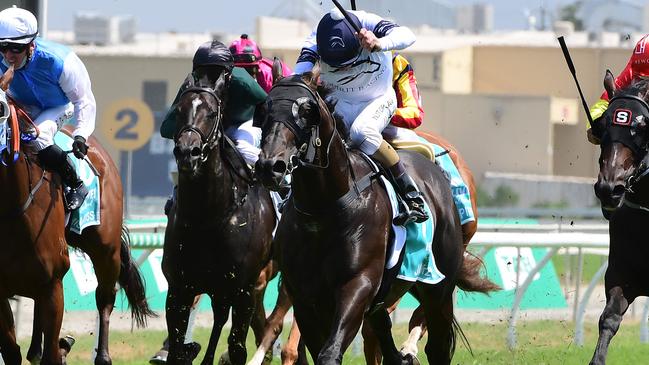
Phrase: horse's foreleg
[220,311]
[292,352]
[51,317]
[178,304]
[242,310]
[609,322]
[273,327]
[353,299]
[8,346]
[35,352]
[416,330]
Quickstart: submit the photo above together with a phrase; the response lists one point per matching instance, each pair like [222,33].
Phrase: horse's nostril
[279,167]
[196,152]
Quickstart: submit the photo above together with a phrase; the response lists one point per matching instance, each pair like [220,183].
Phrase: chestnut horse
[623,190]
[35,258]
[219,234]
[332,261]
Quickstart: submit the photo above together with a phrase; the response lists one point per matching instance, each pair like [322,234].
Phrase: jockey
[52,84]
[637,67]
[358,69]
[247,55]
[244,94]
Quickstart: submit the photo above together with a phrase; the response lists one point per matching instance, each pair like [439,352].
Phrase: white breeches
[48,122]
[247,139]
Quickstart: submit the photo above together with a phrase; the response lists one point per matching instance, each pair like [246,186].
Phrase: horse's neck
[16,180]
[208,193]
[320,187]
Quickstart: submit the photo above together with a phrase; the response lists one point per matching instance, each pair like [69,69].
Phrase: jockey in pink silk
[247,54]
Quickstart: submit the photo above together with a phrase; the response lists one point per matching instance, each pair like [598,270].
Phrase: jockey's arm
[409,113]
[623,80]
[75,83]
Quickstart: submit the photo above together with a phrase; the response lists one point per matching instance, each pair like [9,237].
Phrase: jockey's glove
[79,147]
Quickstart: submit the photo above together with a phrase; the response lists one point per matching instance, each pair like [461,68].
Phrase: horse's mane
[638,87]
[311,80]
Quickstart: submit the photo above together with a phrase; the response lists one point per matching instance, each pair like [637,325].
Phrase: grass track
[540,342]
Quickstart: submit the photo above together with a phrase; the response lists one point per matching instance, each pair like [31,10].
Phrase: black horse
[219,234]
[334,233]
[623,189]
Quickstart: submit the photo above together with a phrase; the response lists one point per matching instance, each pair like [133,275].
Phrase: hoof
[410,359]
[192,349]
[159,358]
[225,359]
[66,343]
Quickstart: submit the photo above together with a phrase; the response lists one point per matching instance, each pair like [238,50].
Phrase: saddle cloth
[89,213]
[417,239]
[459,189]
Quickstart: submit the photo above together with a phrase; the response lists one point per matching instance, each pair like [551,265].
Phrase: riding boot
[53,158]
[407,189]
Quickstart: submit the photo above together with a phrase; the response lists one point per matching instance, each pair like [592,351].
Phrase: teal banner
[501,263]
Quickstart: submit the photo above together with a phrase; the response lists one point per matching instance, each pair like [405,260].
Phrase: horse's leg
[273,328]
[8,346]
[291,351]
[242,309]
[617,302]
[353,298]
[179,302]
[416,330]
[220,309]
[51,317]
[35,352]
[437,301]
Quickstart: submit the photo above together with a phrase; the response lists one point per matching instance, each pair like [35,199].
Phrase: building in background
[475,18]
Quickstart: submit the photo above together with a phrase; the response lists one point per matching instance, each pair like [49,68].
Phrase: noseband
[307,150]
[209,141]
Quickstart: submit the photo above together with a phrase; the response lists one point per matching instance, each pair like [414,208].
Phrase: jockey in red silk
[247,55]
[637,67]
[358,69]
[53,85]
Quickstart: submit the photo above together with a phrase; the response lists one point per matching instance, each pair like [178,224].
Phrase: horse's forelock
[639,87]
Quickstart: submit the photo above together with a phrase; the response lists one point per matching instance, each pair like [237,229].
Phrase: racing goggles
[13,47]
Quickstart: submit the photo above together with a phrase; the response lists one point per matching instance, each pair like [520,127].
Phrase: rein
[209,141]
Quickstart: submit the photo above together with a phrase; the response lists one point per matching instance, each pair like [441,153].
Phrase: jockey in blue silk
[52,84]
[358,69]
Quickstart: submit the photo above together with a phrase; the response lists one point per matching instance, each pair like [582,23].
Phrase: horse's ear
[609,84]
[277,70]
[315,71]
[221,84]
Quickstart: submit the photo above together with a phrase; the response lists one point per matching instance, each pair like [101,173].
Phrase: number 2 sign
[127,123]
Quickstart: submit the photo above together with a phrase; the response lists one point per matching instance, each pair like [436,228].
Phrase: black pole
[353,4]
[347,17]
[571,66]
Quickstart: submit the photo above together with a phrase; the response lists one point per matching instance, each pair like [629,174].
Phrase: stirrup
[75,196]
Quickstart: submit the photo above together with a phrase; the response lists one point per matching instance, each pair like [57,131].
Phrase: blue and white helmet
[17,26]
[337,44]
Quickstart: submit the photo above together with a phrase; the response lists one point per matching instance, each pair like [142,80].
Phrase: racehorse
[219,233]
[623,190]
[35,250]
[335,228]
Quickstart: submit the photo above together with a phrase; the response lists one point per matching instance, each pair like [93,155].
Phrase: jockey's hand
[368,40]
[79,147]
[591,137]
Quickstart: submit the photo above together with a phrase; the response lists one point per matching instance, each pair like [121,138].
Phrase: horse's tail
[131,280]
[470,279]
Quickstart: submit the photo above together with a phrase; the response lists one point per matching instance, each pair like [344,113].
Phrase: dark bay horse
[334,233]
[623,189]
[34,255]
[218,238]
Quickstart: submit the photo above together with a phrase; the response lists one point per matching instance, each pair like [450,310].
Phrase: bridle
[209,140]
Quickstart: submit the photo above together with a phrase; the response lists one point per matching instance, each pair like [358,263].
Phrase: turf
[539,342]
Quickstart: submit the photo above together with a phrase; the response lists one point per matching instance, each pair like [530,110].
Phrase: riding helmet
[213,53]
[245,52]
[336,39]
[17,26]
